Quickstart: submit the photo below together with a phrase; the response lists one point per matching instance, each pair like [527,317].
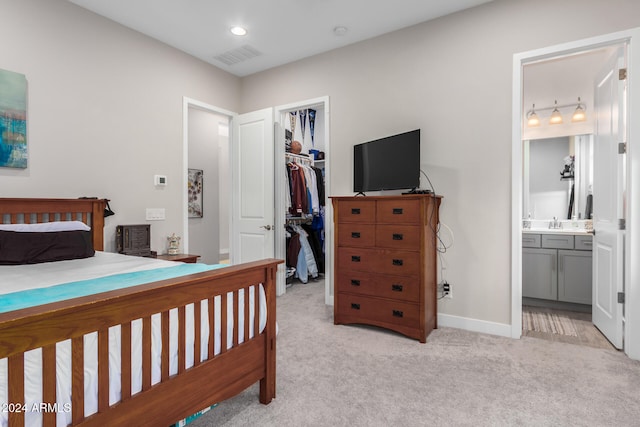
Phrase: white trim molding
[474,325]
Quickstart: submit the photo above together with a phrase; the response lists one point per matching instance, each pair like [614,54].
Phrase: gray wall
[104,111]
[105,114]
[452,78]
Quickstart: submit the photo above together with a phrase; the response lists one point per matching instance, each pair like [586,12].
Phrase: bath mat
[548,323]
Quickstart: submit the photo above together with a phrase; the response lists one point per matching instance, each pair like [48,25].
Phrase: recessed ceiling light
[238,31]
[340,30]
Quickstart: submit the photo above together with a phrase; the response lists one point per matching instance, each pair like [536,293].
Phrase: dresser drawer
[398,211]
[354,234]
[398,263]
[393,287]
[356,259]
[383,261]
[378,311]
[398,236]
[357,211]
[557,241]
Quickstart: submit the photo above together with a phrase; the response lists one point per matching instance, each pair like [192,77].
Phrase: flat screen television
[391,163]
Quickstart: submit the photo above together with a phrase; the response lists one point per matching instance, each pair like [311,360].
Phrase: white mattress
[16,278]
[34,276]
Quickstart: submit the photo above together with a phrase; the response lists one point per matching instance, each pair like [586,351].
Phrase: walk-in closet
[304,195]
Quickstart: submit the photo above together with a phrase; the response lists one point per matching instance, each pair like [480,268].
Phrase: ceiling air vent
[240,54]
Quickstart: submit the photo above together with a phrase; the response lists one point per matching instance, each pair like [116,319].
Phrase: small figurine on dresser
[174,244]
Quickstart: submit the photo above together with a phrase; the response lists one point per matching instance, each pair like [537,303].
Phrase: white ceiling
[279,31]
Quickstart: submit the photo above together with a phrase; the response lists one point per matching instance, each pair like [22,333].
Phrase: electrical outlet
[446,290]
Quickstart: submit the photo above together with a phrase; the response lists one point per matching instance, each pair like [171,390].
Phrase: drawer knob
[397,262]
[398,313]
[355,306]
[355,235]
[396,288]
[355,282]
[355,258]
[397,211]
[398,236]
[355,211]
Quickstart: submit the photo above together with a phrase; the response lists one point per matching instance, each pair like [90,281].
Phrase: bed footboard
[216,376]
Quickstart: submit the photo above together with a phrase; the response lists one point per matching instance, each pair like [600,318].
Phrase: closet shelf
[298,158]
[299,219]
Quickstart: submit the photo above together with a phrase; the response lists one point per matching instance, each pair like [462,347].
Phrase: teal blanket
[34,297]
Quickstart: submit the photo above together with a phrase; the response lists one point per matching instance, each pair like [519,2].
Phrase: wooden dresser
[385,262]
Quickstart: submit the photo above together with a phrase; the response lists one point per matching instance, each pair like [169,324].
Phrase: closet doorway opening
[302,150]
[207,182]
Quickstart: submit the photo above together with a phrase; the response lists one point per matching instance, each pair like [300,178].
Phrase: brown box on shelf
[134,240]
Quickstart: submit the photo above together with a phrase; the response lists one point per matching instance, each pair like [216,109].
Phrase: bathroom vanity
[556,265]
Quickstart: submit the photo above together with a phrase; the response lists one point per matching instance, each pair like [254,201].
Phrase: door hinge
[622,147]
[620,297]
[622,74]
[622,224]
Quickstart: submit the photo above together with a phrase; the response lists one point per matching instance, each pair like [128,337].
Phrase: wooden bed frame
[175,396]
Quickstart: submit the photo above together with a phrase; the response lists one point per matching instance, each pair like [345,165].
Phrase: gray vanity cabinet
[574,276]
[557,267]
[539,273]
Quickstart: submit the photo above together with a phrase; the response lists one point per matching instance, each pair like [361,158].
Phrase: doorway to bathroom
[611,255]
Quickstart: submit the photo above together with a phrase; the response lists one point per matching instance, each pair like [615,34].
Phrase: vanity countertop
[565,231]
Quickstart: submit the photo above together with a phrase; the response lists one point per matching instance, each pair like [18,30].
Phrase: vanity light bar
[579,114]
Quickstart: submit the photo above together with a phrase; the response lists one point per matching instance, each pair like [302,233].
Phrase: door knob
[266,227]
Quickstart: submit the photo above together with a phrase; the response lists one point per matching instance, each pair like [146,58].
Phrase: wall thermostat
[160,179]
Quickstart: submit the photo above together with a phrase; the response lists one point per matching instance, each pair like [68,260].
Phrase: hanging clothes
[306,265]
[319,184]
[297,183]
[305,200]
[306,189]
[312,189]
[315,242]
[293,249]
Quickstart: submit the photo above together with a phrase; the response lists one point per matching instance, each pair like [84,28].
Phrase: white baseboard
[474,325]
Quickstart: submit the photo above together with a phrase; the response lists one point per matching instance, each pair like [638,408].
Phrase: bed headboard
[31,211]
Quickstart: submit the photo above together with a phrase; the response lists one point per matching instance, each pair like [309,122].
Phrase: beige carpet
[356,376]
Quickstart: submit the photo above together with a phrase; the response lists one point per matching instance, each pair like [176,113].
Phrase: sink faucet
[555,224]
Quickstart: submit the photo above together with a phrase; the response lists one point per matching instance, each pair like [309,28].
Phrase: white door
[252,185]
[607,202]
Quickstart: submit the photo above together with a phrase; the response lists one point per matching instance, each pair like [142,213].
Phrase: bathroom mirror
[551,188]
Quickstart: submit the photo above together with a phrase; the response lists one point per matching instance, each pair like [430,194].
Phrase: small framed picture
[194,184]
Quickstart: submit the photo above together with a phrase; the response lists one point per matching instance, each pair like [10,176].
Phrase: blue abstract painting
[13,120]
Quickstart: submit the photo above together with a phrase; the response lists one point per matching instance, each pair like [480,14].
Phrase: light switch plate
[155,214]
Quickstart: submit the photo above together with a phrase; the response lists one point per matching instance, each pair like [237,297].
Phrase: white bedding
[34,276]
[15,278]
